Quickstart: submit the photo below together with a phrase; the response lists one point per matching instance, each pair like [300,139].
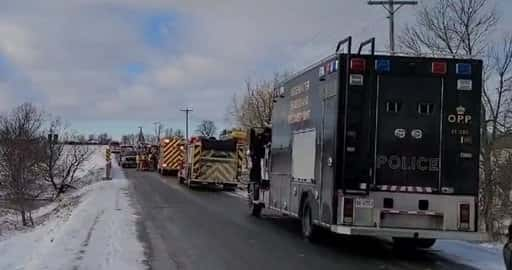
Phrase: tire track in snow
[87,239]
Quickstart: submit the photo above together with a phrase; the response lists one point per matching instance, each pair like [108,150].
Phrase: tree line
[206,128]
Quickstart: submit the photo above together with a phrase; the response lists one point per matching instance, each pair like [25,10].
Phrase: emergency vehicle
[171,155]
[209,161]
[375,145]
[115,147]
[240,138]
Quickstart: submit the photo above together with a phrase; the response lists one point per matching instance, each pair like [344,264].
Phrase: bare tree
[497,124]
[81,139]
[21,151]
[462,27]
[158,131]
[179,133]
[503,189]
[71,161]
[254,108]
[62,162]
[451,27]
[104,138]
[168,132]
[130,139]
[206,128]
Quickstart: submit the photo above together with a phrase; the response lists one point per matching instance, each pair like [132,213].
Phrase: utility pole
[53,139]
[141,139]
[158,130]
[187,110]
[392,6]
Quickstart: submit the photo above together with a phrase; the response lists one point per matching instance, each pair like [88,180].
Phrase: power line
[392,6]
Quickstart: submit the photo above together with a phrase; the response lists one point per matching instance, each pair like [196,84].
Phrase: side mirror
[510,232]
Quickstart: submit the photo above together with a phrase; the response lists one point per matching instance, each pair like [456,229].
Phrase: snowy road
[198,229]
[100,233]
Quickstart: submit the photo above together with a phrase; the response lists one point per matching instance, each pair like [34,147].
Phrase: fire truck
[374,145]
[240,138]
[170,155]
[210,162]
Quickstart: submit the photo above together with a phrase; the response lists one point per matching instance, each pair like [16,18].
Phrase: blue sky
[113,65]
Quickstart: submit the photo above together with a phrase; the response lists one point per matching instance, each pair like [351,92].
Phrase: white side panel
[303,156]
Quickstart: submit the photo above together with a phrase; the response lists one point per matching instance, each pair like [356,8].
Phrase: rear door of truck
[408,132]
[426,128]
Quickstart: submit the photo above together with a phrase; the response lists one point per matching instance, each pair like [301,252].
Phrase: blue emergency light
[463,69]
[383,65]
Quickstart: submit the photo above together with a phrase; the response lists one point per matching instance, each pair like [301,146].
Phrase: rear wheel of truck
[425,243]
[408,243]
[308,228]
[255,209]
[229,187]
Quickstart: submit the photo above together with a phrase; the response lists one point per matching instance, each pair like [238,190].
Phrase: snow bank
[479,256]
[100,233]
[92,172]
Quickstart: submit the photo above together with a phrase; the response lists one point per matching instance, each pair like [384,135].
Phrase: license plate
[364,203]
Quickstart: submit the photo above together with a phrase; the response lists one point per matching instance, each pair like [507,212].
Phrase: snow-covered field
[92,228]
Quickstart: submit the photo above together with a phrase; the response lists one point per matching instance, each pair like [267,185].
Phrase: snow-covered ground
[479,256]
[93,228]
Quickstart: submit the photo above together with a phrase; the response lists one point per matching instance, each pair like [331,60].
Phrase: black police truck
[377,145]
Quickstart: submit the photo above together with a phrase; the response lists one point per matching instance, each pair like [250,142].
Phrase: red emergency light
[439,68]
[357,65]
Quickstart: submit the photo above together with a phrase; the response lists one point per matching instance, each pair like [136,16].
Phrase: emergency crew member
[154,161]
[150,161]
[143,163]
[138,161]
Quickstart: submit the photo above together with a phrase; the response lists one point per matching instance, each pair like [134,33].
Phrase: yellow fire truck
[171,155]
[241,154]
[210,162]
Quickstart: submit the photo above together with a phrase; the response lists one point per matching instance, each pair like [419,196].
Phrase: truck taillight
[464,216]
[439,68]
[357,65]
[348,210]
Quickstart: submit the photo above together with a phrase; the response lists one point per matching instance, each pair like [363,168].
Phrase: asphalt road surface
[207,229]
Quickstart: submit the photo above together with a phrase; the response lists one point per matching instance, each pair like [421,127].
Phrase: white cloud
[72,53]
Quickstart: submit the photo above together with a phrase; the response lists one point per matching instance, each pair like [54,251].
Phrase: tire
[229,187]
[425,243]
[256,209]
[412,243]
[308,228]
